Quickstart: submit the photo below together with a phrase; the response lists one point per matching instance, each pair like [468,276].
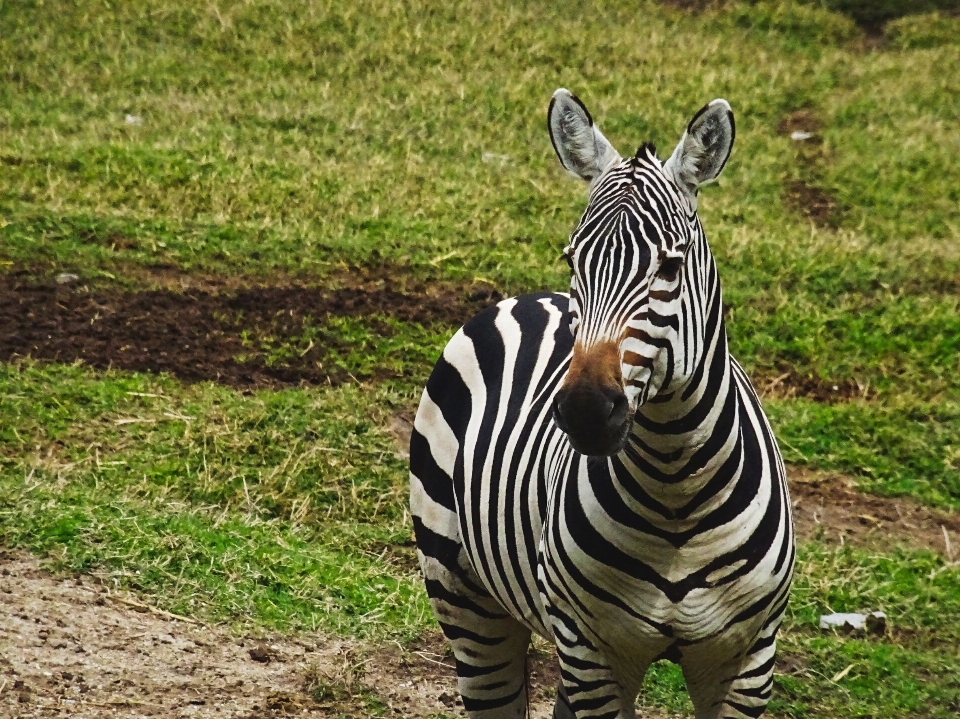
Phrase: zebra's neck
[681,439]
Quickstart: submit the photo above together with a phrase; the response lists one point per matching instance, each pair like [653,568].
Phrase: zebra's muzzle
[596,419]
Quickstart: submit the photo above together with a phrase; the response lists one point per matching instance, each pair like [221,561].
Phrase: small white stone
[841,621]
[134,120]
[66,278]
[875,621]
[491,157]
[800,135]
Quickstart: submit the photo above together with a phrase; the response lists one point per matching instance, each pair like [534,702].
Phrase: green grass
[221,567]
[913,671]
[883,680]
[271,139]
[895,448]
[209,445]
[258,509]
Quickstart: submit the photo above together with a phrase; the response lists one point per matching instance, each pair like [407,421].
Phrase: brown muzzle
[591,406]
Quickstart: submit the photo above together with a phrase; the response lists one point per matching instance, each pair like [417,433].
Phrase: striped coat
[596,468]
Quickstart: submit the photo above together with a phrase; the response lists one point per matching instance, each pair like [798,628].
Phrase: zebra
[596,468]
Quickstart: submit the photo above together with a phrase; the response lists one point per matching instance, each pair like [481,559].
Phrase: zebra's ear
[703,149]
[581,147]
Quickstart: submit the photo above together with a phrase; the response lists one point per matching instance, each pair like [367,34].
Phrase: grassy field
[322,144]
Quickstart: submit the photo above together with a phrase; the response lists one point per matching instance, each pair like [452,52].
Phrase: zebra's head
[635,272]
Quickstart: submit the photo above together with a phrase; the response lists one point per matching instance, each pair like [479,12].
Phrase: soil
[812,201]
[790,384]
[804,194]
[71,648]
[695,6]
[805,120]
[827,507]
[198,334]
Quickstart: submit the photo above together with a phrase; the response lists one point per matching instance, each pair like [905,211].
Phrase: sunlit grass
[281,508]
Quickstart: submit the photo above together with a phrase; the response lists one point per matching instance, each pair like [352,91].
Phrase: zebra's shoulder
[528,309]
[516,326]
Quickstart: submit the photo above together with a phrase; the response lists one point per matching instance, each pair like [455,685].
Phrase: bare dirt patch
[791,384]
[804,120]
[694,6]
[812,201]
[805,193]
[69,647]
[828,508]
[199,334]
[401,427]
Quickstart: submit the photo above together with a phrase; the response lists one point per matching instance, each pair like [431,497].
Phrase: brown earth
[790,384]
[200,328]
[803,120]
[695,6]
[69,647]
[196,333]
[828,508]
[812,201]
[804,193]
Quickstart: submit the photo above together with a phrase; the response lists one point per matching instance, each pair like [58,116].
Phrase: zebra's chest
[630,580]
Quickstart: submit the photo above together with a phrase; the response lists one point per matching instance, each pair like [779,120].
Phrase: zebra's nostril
[558,414]
[591,416]
[618,410]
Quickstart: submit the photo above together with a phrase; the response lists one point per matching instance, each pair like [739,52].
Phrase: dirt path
[71,648]
[228,335]
[827,507]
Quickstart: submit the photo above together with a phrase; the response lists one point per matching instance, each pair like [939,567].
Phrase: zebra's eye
[670,268]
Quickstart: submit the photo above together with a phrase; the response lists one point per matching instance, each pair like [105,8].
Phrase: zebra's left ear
[581,147]
[703,149]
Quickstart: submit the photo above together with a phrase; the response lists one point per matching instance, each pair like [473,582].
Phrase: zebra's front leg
[736,689]
[562,708]
[491,666]
[590,688]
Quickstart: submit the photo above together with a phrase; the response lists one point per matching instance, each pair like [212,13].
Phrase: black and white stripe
[674,539]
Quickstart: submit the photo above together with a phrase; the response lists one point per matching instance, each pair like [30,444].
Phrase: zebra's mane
[647,151]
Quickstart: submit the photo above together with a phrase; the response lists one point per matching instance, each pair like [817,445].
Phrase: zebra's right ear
[581,147]
[703,150]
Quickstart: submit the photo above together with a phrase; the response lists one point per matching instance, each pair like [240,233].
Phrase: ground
[196,329]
